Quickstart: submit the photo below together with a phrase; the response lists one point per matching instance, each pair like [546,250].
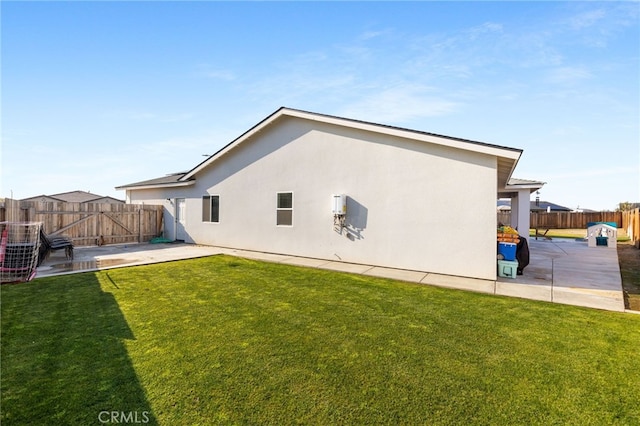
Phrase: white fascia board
[529,187]
[473,146]
[157,186]
[532,187]
[409,134]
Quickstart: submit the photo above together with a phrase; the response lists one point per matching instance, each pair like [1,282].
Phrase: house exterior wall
[159,197]
[410,204]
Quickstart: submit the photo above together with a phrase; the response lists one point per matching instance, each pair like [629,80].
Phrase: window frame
[211,209]
[284,209]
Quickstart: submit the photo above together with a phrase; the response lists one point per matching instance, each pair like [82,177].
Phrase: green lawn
[222,340]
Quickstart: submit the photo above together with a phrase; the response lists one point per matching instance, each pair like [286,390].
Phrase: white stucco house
[414,200]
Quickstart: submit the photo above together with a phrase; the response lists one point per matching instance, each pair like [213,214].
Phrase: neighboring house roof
[105,199]
[43,197]
[545,205]
[74,197]
[505,205]
[507,157]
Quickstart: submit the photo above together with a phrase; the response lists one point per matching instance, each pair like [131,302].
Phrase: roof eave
[449,141]
[156,186]
[506,165]
[513,189]
[531,187]
[468,145]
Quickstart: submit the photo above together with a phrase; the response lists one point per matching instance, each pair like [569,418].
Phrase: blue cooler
[507,250]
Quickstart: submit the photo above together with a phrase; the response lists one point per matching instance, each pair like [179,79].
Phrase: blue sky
[101,94]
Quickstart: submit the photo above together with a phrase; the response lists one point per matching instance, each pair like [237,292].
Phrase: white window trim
[289,209]
[210,221]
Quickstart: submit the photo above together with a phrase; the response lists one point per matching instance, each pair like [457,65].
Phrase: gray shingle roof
[161,181]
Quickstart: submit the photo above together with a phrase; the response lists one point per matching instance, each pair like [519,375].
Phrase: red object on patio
[19,246]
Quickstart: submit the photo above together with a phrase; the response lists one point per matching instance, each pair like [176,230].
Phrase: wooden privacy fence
[572,220]
[89,224]
[631,223]
[566,220]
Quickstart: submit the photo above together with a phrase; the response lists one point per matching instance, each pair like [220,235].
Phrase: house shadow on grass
[63,356]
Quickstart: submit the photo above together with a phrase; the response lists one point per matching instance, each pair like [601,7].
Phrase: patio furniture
[52,243]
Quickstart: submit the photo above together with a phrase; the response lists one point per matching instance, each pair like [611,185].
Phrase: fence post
[140,232]
[10,210]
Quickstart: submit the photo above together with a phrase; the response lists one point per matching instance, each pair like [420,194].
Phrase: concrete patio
[565,272]
[569,272]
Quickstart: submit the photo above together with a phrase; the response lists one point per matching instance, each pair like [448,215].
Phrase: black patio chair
[52,243]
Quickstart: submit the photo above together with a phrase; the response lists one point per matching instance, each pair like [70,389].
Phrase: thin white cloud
[310,75]
[569,74]
[368,35]
[142,116]
[180,117]
[134,115]
[586,19]
[531,49]
[129,114]
[596,27]
[215,73]
[399,104]
[221,75]
[491,44]
[486,28]
[568,130]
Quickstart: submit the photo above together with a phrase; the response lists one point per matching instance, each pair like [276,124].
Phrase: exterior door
[181,218]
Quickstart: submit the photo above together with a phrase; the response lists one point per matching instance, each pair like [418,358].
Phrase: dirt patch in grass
[629,259]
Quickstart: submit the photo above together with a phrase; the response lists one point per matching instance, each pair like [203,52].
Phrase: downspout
[175,219]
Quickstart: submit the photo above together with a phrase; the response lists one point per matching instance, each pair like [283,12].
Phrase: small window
[211,208]
[284,212]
